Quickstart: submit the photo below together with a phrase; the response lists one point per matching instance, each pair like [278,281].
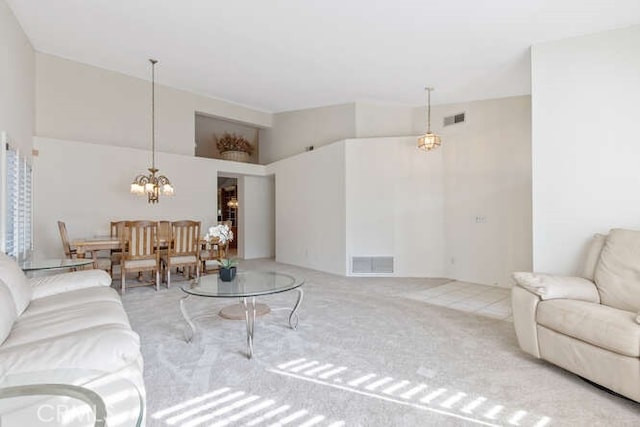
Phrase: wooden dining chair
[116,229]
[69,252]
[210,252]
[139,243]
[184,249]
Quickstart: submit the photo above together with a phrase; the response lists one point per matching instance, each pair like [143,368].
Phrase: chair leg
[168,277]
[122,280]
[157,279]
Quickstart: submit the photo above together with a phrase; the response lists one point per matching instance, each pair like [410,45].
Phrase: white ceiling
[281,55]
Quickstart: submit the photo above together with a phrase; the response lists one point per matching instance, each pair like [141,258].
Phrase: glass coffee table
[246,286]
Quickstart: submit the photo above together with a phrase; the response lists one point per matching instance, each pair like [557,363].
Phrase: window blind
[17,240]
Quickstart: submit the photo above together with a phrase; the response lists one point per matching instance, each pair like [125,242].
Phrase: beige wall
[73,182]
[586,93]
[382,120]
[17,71]
[487,189]
[208,128]
[394,204]
[84,103]
[294,130]
[310,209]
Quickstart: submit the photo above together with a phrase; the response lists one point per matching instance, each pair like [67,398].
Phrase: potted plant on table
[227,269]
[234,147]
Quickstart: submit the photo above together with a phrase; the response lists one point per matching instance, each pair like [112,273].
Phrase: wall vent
[454,120]
[372,265]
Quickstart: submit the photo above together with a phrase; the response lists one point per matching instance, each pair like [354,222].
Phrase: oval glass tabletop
[52,264]
[245,284]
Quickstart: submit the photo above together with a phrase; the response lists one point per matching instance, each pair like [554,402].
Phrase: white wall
[257,216]
[487,189]
[83,103]
[292,131]
[586,110]
[394,204]
[17,76]
[310,209]
[87,185]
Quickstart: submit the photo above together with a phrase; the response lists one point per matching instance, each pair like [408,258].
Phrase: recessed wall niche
[209,128]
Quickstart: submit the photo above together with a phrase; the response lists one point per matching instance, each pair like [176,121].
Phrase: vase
[227,274]
[238,156]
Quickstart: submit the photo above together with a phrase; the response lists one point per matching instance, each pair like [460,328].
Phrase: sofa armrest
[58,283]
[549,286]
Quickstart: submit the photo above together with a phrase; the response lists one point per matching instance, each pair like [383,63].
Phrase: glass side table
[54,264]
[69,397]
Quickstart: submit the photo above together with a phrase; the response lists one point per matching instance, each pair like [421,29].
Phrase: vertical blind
[16,228]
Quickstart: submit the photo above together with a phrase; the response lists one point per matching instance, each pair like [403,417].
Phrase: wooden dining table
[93,245]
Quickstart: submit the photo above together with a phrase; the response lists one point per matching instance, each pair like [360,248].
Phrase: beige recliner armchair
[587,325]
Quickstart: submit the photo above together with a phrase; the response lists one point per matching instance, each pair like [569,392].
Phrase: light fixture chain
[153,113]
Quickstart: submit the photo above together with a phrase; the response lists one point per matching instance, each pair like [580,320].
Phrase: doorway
[228,209]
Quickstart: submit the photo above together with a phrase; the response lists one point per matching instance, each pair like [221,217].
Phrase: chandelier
[152,184]
[429,140]
[233,203]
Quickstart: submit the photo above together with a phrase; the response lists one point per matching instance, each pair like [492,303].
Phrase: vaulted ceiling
[281,55]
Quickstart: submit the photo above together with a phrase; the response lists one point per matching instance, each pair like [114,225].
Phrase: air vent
[372,265]
[454,120]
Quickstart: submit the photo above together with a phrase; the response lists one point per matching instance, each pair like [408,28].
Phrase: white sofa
[587,325]
[70,322]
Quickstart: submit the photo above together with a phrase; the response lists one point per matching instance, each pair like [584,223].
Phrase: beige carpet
[363,355]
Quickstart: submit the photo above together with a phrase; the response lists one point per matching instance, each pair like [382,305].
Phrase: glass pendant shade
[428,142]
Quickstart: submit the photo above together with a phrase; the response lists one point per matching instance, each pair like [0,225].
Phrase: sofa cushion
[105,348]
[58,283]
[15,279]
[606,327]
[592,256]
[7,311]
[617,274]
[65,314]
[71,299]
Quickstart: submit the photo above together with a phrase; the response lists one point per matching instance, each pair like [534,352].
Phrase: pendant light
[429,141]
[152,184]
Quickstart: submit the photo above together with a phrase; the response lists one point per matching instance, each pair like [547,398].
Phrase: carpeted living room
[282,213]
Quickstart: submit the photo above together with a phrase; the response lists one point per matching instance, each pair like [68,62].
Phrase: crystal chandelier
[152,184]
[429,140]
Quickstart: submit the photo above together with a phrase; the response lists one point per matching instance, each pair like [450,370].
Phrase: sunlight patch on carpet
[224,406]
[452,403]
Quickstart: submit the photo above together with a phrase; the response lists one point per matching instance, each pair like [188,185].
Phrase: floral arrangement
[222,232]
[232,142]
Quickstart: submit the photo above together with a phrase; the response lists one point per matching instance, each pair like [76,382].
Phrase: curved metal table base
[249,304]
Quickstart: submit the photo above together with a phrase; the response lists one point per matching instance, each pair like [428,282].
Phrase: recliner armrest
[58,283]
[549,286]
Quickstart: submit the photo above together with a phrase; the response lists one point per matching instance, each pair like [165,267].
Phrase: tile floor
[489,301]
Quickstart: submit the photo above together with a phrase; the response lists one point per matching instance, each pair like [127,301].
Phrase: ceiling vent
[454,120]
[372,265]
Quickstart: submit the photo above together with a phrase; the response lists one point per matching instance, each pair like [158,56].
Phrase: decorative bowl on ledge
[234,147]
[236,156]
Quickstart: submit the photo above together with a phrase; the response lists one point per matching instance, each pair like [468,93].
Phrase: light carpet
[363,355]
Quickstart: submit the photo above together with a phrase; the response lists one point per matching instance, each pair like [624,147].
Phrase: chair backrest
[140,240]
[117,228]
[185,236]
[164,232]
[68,252]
